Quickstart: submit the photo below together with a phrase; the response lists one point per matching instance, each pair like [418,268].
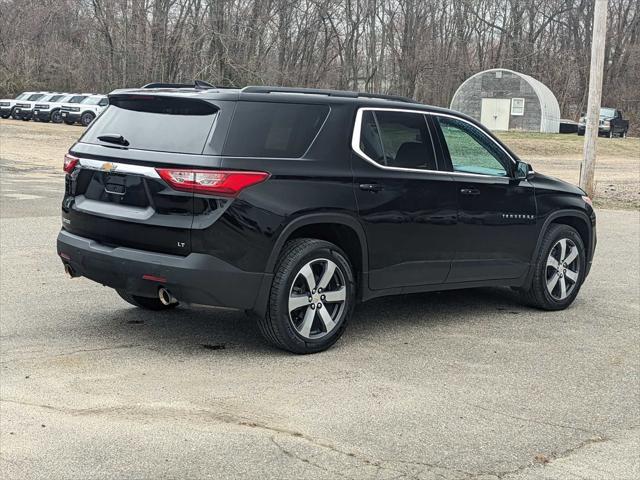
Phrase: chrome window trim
[355,142]
[142,170]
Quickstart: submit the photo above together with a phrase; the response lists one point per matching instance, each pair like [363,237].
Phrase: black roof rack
[382,96]
[197,84]
[328,92]
[312,91]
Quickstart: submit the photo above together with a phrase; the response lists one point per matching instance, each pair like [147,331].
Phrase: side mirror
[523,170]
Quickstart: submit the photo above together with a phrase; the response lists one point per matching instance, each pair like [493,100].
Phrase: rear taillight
[211,182]
[70,163]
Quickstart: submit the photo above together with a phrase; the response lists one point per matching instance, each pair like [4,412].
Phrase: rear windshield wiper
[114,138]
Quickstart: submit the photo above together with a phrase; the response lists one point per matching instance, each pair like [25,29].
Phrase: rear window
[156,123]
[264,129]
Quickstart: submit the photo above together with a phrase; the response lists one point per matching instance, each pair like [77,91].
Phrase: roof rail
[382,96]
[329,92]
[313,91]
[197,84]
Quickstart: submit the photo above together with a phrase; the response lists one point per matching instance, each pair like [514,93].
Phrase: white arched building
[502,99]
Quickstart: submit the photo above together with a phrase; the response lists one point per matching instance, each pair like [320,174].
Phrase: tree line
[418,48]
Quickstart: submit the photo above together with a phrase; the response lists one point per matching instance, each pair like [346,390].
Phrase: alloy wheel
[317,299]
[563,269]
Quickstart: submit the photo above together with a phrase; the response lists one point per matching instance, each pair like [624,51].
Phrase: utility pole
[595,95]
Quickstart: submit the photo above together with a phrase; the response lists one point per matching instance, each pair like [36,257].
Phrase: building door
[495,113]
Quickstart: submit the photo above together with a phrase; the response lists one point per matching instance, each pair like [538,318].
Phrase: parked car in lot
[45,111]
[85,111]
[24,109]
[7,106]
[296,204]
[611,123]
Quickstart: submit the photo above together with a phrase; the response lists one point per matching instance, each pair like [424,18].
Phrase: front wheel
[312,297]
[559,269]
[87,118]
[56,117]
[145,302]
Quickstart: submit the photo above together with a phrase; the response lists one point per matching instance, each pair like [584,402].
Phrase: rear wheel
[145,302]
[87,118]
[312,297]
[559,269]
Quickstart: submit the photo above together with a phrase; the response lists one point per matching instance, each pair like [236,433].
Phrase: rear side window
[156,123]
[397,139]
[264,129]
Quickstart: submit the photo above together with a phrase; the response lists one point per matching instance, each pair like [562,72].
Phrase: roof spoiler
[197,84]
[328,92]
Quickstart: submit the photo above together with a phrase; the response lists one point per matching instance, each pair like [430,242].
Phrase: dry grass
[617,165]
[41,146]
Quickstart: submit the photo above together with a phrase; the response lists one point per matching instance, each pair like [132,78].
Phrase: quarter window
[266,129]
[469,150]
[397,139]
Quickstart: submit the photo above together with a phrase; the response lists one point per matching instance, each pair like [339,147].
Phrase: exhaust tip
[165,297]
[68,269]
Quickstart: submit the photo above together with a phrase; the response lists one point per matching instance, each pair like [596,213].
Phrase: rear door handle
[469,191]
[371,187]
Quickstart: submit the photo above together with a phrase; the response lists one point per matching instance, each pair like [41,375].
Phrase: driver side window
[469,150]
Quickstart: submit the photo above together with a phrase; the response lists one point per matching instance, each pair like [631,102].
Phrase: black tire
[69,122]
[5,116]
[537,294]
[87,118]
[14,115]
[145,302]
[56,117]
[278,327]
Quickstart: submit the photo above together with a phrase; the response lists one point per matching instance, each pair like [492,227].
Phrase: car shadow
[207,330]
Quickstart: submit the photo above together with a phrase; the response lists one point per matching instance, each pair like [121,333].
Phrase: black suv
[296,204]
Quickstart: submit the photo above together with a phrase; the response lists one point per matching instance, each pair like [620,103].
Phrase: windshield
[37,96]
[77,99]
[607,112]
[91,100]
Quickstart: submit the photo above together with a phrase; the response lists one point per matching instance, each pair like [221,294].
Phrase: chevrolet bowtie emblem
[108,167]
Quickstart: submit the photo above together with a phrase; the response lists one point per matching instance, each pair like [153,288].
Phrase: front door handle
[371,187]
[469,191]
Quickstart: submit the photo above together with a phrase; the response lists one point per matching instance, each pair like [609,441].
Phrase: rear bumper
[196,278]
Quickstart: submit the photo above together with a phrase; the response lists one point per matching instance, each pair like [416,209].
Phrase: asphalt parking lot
[454,385]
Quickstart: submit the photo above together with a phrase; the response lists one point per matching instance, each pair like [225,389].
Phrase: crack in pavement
[532,420]
[73,352]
